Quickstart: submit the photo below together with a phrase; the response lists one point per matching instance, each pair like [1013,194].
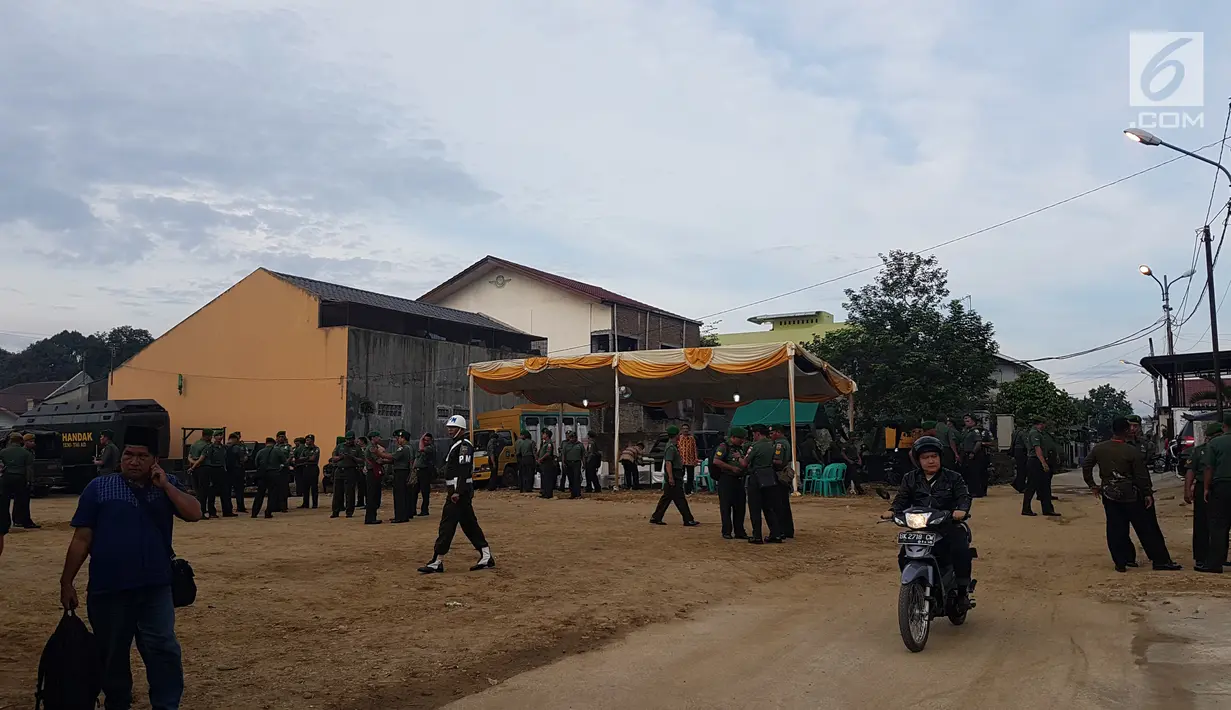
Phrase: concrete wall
[252,360]
[785,331]
[415,376]
[565,318]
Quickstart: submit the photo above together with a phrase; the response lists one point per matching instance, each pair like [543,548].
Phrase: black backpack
[70,671]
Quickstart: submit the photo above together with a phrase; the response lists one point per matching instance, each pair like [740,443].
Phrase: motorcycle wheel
[914,622]
[957,617]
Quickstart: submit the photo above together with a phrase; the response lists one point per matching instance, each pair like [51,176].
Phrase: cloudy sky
[152,153]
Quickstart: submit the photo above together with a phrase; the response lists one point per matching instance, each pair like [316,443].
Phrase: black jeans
[690,476]
[632,475]
[592,483]
[572,470]
[148,615]
[732,504]
[403,509]
[549,471]
[761,503]
[344,480]
[1038,482]
[373,497]
[1218,512]
[525,473]
[454,514]
[672,493]
[217,486]
[266,493]
[17,490]
[235,481]
[954,549]
[424,477]
[782,506]
[1122,515]
[311,486]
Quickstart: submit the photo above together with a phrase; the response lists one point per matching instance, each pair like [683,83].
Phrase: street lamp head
[1186,274]
[1145,270]
[1142,137]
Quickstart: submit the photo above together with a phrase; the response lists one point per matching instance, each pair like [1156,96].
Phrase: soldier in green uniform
[425,471]
[237,456]
[974,463]
[1038,471]
[673,482]
[108,459]
[282,494]
[347,457]
[1216,489]
[401,461]
[594,461]
[296,466]
[270,462]
[727,468]
[573,455]
[375,471]
[758,463]
[549,469]
[16,470]
[524,448]
[215,472]
[201,484]
[1126,493]
[944,434]
[1193,495]
[311,472]
[1019,450]
[785,473]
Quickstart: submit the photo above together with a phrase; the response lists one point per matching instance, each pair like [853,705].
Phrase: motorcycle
[928,589]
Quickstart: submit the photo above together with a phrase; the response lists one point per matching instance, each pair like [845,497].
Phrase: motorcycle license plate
[917,538]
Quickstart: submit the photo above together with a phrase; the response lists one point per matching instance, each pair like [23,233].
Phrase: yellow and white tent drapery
[725,376]
[756,371]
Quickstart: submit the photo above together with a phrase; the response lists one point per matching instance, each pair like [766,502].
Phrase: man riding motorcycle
[931,486]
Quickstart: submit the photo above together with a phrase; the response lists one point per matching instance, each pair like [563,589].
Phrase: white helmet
[456,420]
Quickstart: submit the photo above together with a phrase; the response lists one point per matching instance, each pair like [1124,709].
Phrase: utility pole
[1167,316]
[1209,294]
[1157,388]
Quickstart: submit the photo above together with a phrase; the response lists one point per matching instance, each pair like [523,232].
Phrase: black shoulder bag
[183,583]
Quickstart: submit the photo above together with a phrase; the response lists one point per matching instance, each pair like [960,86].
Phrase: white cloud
[694,155]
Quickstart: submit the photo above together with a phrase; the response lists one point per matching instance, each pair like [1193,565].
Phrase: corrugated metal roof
[345,294]
[595,292]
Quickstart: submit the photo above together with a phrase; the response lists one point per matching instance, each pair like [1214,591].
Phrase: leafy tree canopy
[913,351]
[1101,405]
[1033,394]
[65,354]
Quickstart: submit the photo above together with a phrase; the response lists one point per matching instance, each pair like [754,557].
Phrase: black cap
[142,436]
[282,433]
[108,433]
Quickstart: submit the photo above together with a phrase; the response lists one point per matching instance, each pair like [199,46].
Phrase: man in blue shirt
[128,542]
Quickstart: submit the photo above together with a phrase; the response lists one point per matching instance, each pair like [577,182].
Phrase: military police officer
[459,502]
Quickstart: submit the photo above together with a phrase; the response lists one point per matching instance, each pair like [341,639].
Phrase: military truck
[79,426]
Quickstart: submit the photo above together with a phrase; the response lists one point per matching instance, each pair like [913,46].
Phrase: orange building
[279,352]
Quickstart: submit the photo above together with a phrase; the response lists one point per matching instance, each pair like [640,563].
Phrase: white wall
[565,318]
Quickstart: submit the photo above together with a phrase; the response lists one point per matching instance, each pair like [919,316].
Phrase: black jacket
[947,491]
[459,466]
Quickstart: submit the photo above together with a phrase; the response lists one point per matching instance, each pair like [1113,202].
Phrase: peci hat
[281,433]
[142,436]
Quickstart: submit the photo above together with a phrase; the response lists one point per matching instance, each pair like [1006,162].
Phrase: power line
[1136,335]
[968,235]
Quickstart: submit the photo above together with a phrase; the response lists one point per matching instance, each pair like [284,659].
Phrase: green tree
[1033,394]
[63,355]
[914,352]
[1101,405]
[709,335]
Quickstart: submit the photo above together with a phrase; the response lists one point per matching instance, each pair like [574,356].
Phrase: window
[389,409]
[443,411]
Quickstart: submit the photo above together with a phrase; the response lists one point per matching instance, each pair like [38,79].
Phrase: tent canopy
[718,375]
[774,411]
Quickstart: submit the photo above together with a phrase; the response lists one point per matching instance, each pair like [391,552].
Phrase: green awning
[774,411]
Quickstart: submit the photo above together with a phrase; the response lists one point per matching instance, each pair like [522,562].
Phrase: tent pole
[850,414]
[790,386]
[474,416]
[615,459]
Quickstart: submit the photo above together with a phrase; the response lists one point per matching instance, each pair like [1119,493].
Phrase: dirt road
[307,612]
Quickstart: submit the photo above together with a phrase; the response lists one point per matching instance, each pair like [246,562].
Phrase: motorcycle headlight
[916,521]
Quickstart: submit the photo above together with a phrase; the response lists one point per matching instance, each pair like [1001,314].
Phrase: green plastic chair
[812,478]
[702,478]
[833,480]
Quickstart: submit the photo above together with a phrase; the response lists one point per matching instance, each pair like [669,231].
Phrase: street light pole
[1165,286]
[1147,138]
